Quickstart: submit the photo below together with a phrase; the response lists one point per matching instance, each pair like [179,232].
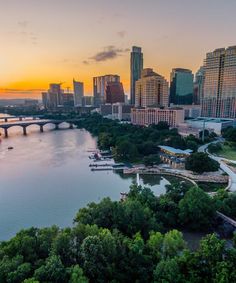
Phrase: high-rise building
[54,97]
[151,90]
[78,92]
[136,67]
[148,116]
[68,99]
[198,86]
[87,101]
[219,93]
[181,86]
[114,92]
[99,87]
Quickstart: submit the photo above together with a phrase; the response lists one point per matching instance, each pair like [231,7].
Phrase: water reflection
[46,178]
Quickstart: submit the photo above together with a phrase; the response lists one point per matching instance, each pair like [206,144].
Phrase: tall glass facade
[99,87]
[181,86]
[136,66]
[219,94]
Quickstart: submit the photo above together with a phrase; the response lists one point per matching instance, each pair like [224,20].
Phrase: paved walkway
[223,165]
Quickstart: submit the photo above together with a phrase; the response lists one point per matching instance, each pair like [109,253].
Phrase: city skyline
[81,43]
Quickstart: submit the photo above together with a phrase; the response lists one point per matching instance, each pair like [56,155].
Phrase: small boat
[10,147]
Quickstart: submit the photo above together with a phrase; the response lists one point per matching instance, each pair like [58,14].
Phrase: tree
[31,280]
[137,218]
[153,159]
[161,126]
[214,147]
[196,209]
[63,247]
[173,244]
[53,270]
[125,150]
[200,162]
[230,134]
[168,271]
[154,245]
[98,253]
[77,275]
[210,253]
[22,272]
[190,144]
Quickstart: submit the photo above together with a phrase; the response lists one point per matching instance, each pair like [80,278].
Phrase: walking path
[223,164]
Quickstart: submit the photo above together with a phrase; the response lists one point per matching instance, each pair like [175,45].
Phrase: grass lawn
[228,151]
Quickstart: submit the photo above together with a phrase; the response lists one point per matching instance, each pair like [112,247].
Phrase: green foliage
[168,271]
[230,134]
[173,244]
[53,270]
[77,275]
[31,280]
[214,147]
[152,159]
[134,143]
[196,209]
[200,162]
[115,241]
[226,203]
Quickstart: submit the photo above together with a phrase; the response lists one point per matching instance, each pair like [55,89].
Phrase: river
[46,178]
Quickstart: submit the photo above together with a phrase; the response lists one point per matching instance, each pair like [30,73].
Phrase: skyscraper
[151,90]
[219,93]
[99,87]
[198,85]
[78,92]
[55,95]
[136,66]
[181,86]
[114,92]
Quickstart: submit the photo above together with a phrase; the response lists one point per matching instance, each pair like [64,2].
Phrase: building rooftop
[212,120]
[175,150]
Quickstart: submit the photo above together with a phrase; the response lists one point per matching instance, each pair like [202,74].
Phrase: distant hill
[11,102]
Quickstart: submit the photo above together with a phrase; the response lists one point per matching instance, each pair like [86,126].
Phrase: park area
[228,151]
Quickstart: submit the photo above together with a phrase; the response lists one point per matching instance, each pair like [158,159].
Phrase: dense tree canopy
[131,241]
[196,209]
[135,143]
[200,162]
[230,134]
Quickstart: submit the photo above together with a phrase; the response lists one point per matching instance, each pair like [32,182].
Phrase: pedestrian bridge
[40,123]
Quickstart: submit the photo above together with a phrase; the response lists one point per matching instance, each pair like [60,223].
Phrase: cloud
[11,90]
[85,62]
[110,52]
[121,33]
[23,24]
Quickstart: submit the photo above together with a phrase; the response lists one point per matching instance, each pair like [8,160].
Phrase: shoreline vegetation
[139,145]
[135,240]
[136,144]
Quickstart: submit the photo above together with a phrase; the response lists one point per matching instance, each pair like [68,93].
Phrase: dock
[102,169]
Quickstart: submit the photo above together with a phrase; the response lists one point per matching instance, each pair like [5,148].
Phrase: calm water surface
[46,178]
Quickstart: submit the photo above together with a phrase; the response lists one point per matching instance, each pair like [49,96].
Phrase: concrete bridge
[40,123]
[17,118]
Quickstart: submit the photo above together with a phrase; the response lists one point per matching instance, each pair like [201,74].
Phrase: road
[223,166]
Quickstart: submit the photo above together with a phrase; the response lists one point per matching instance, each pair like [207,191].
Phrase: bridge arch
[38,123]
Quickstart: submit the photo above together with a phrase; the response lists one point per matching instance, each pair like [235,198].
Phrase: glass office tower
[181,86]
[136,66]
[219,93]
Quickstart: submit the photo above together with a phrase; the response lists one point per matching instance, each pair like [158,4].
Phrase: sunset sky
[45,41]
